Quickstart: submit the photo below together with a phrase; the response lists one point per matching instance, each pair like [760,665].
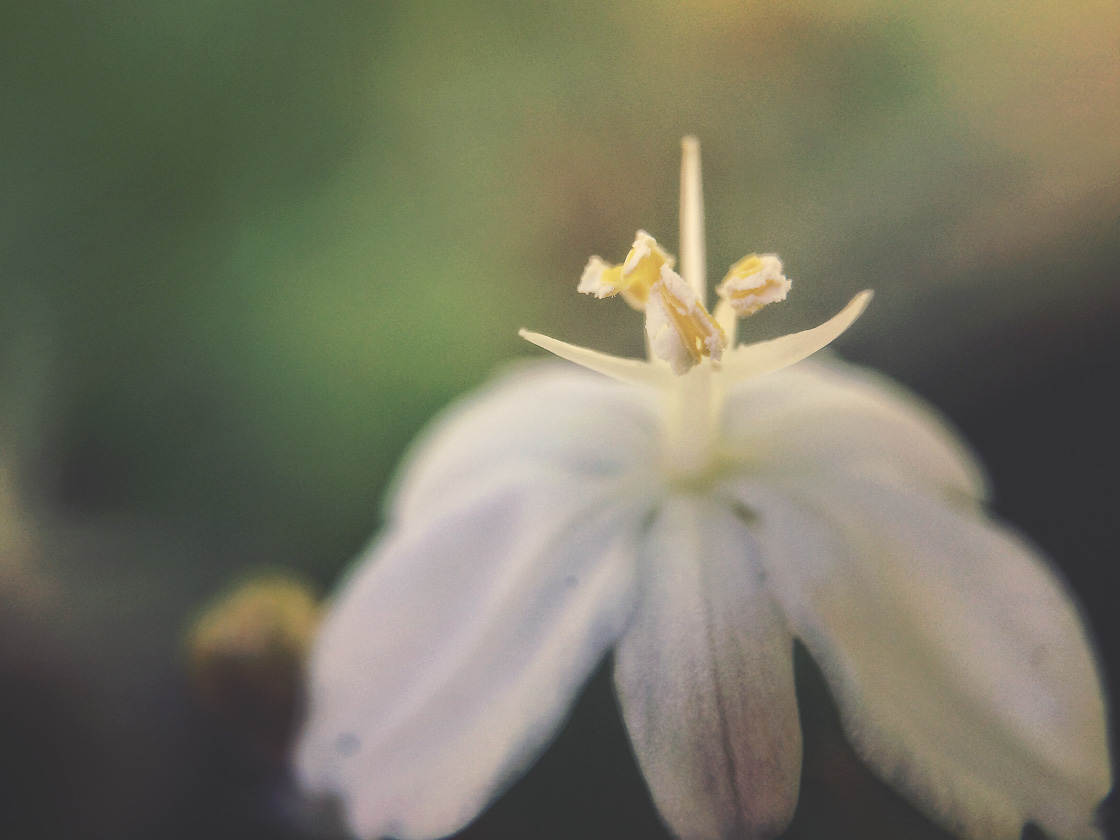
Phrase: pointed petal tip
[842,320]
[853,309]
[750,360]
[631,371]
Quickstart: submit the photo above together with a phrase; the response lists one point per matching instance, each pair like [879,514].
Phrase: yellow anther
[679,328]
[754,282]
[633,279]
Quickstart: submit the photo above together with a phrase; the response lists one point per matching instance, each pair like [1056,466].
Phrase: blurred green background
[247,250]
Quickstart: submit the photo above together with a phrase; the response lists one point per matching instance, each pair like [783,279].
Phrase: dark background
[247,249]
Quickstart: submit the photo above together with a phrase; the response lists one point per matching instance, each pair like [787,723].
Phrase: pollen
[633,278]
[680,330]
[754,282]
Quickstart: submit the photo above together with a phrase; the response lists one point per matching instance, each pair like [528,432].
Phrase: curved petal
[630,371]
[451,654]
[824,415]
[961,667]
[705,679]
[548,414]
[750,360]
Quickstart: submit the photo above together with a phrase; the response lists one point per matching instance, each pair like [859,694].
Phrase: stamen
[679,328]
[754,282]
[633,278]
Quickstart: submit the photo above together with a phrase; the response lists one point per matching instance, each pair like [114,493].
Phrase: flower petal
[453,651]
[705,679]
[542,413]
[749,360]
[825,415]
[630,371]
[960,666]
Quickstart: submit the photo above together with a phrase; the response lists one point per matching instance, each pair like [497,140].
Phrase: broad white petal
[749,360]
[630,371]
[825,415]
[544,413]
[960,665]
[453,651]
[705,679]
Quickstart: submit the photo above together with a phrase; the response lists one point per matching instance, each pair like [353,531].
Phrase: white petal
[748,360]
[825,415]
[961,667]
[545,413]
[630,371]
[705,680]
[453,651]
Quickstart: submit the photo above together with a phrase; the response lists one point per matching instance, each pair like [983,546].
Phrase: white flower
[697,524]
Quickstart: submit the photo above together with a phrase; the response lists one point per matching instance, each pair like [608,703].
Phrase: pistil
[691,415]
[693,265]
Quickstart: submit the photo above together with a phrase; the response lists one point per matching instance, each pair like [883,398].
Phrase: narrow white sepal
[749,360]
[631,371]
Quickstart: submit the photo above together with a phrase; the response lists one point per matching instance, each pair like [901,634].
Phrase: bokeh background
[247,249]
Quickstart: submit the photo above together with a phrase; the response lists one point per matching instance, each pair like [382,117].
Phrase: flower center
[684,339]
[679,328]
[690,424]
